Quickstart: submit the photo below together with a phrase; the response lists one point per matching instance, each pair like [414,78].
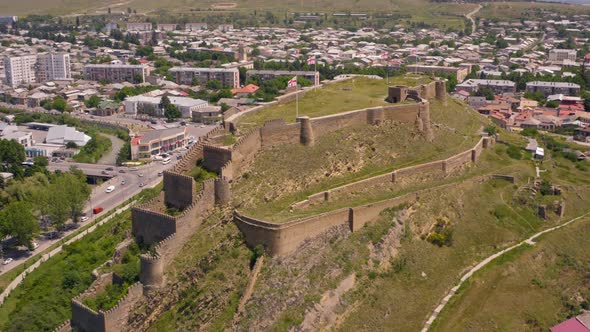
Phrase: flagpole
[296,101]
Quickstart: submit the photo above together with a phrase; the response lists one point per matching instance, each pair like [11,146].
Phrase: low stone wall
[281,239]
[442,167]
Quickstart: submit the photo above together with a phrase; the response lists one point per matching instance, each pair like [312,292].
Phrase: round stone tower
[306,135]
[441,90]
[222,191]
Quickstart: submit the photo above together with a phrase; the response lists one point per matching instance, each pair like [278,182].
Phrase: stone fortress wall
[167,234]
[281,239]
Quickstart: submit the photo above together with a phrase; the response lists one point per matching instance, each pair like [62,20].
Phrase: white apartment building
[37,68]
[558,55]
[20,70]
[53,67]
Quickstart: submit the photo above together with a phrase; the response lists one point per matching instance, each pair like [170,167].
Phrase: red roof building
[580,323]
[248,89]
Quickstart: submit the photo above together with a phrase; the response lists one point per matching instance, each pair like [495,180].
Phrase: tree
[172,112]
[11,152]
[224,107]
[17,220]
[41,161]
[59,104]
[491,130]
[71,145]
[92,102]
[214,85]
[164,102]
[552,104]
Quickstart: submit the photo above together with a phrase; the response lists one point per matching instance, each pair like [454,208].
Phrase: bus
[166,161]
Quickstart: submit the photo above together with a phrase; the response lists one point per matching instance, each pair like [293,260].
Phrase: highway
[146,174]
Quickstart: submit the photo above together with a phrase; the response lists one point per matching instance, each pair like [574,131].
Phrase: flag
[292,82]
[384,55]
[311,60]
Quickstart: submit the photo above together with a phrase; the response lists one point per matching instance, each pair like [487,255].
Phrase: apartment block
[497,86]
[38,68]
[143,26]
[116,73]
[195,26]
[553,88]
[460,73]
[166,26]
[53,66]
[559,55]
[20,70]
[313,76]
[229,78]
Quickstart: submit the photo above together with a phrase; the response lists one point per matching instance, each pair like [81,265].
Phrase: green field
[527,10]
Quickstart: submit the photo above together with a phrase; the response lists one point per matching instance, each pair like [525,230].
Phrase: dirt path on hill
[451,293]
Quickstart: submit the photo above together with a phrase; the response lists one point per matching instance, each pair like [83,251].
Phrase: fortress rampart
[168,234]
[280,239]
[440,167]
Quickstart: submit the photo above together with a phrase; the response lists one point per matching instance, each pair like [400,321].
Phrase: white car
[7,261]
[35,245]
[110,189]
[140,175]
[123,182]
[83,218]
[141,185]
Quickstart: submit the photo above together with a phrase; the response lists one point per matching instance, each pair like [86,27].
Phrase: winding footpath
[469,16]
[453,291]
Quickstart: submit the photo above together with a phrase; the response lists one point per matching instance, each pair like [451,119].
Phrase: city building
[313,76]
[151,105]
[63,135]
[116,73]
[8,19]
[39,68]
[559,55]
[497,86]
[166,27]
[229,77]
[20,70]
[24,138]
[154,142]
[53,67]
[459,72]
[142,26]
[553,88]
[195,26]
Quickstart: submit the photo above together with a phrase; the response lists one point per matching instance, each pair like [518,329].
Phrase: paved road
[451,293]
[110,158]
[149,175]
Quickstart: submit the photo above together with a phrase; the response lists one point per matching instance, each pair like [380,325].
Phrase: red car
[97,210]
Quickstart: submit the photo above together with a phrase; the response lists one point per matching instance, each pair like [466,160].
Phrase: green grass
[333,98]
[42,300]
[528,10]
[217,256]
[94,149]
[550,279]
[287,174]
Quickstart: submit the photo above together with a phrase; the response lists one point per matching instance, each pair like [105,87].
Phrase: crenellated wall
[179,189]
[112,320]
[215,157]
[151,227]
